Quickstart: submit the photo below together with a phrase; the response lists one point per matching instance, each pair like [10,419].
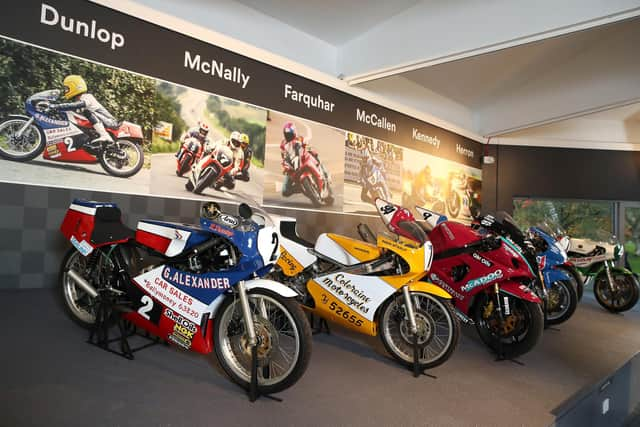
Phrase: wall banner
[306,145]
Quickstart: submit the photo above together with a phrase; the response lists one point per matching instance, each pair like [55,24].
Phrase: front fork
[25,127]
[246,314]
[411,314]
[609,277]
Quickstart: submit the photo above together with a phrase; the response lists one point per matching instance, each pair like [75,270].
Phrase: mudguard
[270,285]
[18,116]
[554,275]
[429,288]
[519,290]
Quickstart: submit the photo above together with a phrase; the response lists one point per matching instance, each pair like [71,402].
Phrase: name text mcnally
[216,69]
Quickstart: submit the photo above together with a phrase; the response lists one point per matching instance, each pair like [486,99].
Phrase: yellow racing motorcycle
[374,289]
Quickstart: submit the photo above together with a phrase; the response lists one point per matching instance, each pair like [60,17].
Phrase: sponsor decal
[179,340]
[82,246]
[438,281]
[216,69]
[419,136]
[46,119]
[482,259]
[585,261]
[542,261]
[228,220]
[447,231]
[310,101]
[53,151]
[177,318]
[373,120]
[352,295]
[473,283]
[218,229]
[49,15]
[59,133]
[178,235]
[199,281]
[288,260]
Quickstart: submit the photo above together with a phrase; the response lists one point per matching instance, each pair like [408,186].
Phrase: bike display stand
[416,361]
[99,333]
[254,393]
[323,326]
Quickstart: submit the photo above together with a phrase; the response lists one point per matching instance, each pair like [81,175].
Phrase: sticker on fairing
[83,247]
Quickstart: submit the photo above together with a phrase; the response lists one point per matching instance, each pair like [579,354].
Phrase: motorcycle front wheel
[123,158]
[205,180]
[438,330]
[562,301]
[521,329]
[624,296]
[311,191]
[26,147]
[184,164]
[284,341]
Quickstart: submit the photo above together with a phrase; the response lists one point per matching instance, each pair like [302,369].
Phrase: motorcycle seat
[108,226]
[288,231]
[116,126]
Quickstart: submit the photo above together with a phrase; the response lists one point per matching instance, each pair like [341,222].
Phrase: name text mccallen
[216,69]
[373,120]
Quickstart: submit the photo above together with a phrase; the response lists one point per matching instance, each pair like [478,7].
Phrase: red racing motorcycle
[489,279]
[190,152]
[309,177]
[212,170]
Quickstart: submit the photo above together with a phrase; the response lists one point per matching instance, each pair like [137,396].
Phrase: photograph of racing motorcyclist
[210,122]
[304,163]
[463,195]
[373,169]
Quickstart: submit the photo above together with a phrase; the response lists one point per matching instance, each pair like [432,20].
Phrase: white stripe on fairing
[175,247]
[177,244]
[84,209]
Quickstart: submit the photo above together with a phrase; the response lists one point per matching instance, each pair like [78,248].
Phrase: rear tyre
[204,181]
[123,158]
[22,149]
[311,191]
[284,340]
[623,298]
[521,330]
[185,164]
[438,330]
[562,301]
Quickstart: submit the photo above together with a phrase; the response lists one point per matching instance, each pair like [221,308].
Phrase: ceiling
[334,21]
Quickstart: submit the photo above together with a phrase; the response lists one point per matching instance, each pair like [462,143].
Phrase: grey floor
[49,376]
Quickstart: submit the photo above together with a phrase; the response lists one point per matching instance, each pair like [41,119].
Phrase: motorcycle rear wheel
[9,128]
[284,338]
[626,296]
[111,158]
[528,329]
[204,181]
[185,164]
[565,291]
[438,330]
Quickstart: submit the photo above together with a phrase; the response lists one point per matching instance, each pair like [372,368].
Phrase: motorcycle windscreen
[432,218]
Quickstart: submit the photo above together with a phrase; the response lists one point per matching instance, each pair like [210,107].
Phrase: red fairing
[129,130]
[78,225]
[449,235]
[154,241]
[519,290]
[59,152]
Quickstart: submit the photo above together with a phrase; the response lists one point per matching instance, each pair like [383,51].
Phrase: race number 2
[147,306]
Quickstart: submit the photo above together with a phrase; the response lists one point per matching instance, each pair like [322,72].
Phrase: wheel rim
[435,328]
[558,301]
[515,326]
[622,294]
[278,340]
[19,147]
[123,156]
[78,300]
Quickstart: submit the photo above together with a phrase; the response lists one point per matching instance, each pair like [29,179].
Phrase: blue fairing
[553,258]
[43,120]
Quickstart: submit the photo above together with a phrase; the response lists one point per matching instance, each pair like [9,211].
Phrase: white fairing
[329,248]
[432,218]
[363,294]
[268,240]
[584,246]
[298,251]
[428,255]
[386,210]
[178,237]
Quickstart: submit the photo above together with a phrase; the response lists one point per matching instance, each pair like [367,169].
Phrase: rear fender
[429,288]
[520,291]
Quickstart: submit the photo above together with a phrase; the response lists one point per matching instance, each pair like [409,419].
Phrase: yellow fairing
[289,265]
[409,251]
[331,308]
[360,250]
[429,288]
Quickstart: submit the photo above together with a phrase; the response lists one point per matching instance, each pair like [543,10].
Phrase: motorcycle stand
[323,326]
[500,354]
[416,361]
[254,393]
[99,332]
[546,324]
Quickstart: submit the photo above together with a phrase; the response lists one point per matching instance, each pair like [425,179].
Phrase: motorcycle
[172,280]
[374,289]
[490,280]
[67,136]
[309,177]
[190,153]
[554,285]
[463,196]
[374,184]
[212,170]
[430,197]
[615,288]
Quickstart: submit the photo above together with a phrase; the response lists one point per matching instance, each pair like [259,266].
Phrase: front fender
[429,288]
[270,285]
[519,290]
[18,116]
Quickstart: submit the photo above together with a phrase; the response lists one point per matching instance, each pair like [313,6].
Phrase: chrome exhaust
[82,283]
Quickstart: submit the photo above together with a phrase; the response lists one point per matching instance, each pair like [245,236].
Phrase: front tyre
[438,329]
[20,148]
[123,158]
[624,295]
[184,164]
[78,305]
[562,301]
[312,191]
[284,341]
[521,329]
[204,181]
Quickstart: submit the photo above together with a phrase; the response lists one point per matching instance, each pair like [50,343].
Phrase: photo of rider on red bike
[302,169]
[193,142]
[220,162]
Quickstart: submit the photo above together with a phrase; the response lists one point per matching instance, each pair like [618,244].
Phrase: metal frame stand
[323,326]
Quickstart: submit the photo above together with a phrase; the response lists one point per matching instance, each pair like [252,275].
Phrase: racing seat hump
[288,231]
[108,226]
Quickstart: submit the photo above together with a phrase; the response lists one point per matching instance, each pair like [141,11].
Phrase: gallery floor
[51,377]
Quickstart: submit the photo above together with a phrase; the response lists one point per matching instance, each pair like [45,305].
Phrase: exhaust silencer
[82,283]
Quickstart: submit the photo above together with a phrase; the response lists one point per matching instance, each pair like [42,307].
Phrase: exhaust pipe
[82,283]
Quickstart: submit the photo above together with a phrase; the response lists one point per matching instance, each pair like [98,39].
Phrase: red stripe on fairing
[158,243]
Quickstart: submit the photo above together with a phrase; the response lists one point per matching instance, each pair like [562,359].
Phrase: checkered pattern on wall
[32,247]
